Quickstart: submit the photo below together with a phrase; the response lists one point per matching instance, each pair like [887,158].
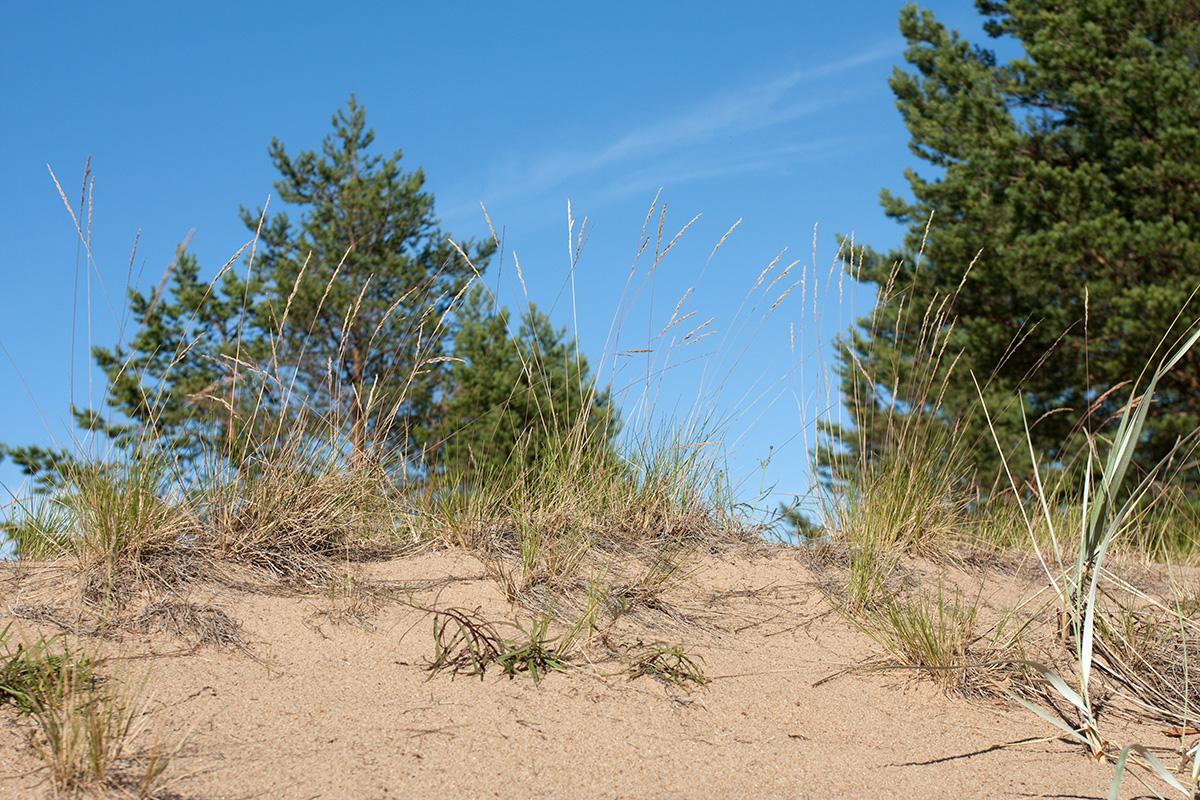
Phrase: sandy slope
[324,704]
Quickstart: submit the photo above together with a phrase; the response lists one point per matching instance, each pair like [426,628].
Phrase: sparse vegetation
[928,631]
[33,675]
[533,650]
[277,463]
[670,663]
[582,535]
[463,642]
[86,723]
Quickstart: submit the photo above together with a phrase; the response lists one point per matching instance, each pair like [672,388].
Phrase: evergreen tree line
[1052,249]
[359,316]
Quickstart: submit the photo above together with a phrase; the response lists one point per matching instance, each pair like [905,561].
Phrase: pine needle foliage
[361,285]
[1064,186]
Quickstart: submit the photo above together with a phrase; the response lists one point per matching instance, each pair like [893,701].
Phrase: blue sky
[777,114]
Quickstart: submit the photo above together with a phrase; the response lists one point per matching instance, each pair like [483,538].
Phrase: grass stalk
[1078,586]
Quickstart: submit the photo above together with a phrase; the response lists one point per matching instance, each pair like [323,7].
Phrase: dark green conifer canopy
[1065,186]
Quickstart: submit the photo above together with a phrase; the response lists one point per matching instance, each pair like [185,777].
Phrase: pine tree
[182,381]
[361,286]
[515,395]
[1070,179]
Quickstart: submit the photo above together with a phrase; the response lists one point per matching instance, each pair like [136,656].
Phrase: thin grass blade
[1060,686]
[1155,765]
[1129,433]
[1058,723]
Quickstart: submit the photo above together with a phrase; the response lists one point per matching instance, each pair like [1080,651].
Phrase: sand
[330,698]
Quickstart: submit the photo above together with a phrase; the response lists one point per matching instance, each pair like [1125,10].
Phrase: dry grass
[295,513]
[89,728]
[591,531]
[197,625]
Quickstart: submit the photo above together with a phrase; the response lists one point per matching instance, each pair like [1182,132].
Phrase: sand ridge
[329,697]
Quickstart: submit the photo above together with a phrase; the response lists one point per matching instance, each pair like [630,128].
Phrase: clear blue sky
[774,113]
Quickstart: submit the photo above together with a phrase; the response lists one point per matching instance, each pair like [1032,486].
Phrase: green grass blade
[1060,686]
[1155,765]
[1128,435]
[1058,723]
[1120,773]
[1037,477]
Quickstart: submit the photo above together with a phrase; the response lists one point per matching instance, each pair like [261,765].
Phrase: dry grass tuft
[669,663]
[292,514]
[87,737]
[87,725]
[196,625]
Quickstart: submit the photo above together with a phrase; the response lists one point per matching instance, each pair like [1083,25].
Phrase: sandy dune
[329,697]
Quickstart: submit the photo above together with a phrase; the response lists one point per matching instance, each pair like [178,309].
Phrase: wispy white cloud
[731,117]
[749,109]
[684,170]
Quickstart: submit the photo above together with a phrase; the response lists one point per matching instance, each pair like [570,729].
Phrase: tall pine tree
[342,319]
[1070,179]
[361,285]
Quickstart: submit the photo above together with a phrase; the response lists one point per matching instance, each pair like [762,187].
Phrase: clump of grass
[85,724]
[85,735]
[903,491]
[907,499]
[547,548]
[929,632]
[294,508]
[1169,528]
[904,500]
[119,521]
[32,676]
[1145,647]
[670,663]
[549,529]
[462,642]
[41,528]
[122,511]
[1003,524]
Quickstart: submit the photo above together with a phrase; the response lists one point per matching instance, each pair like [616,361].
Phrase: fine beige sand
[329,697]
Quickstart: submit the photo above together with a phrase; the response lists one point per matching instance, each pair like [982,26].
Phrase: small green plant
[670,663]
[598,589]
[33,676]
[462,642]
[533,652]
